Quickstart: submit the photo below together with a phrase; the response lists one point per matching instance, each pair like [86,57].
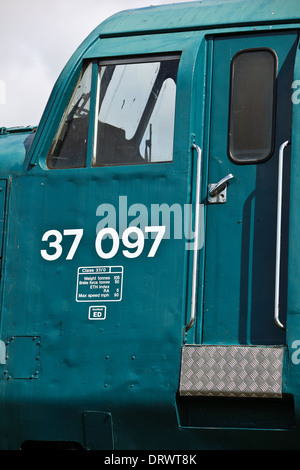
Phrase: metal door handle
[215,189]
[278,235]
[195,254]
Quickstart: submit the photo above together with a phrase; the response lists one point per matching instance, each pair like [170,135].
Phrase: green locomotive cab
[149,250]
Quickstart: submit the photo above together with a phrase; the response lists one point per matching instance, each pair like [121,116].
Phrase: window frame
[253,161]
[94,98]
[84,66]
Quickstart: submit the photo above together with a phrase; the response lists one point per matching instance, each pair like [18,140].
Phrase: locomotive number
[55,238]
[56,243]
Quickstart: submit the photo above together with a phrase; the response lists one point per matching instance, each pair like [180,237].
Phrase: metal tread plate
[235,371]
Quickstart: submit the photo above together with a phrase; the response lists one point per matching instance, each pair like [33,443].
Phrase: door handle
[195,254]
[217,191]
[278,235]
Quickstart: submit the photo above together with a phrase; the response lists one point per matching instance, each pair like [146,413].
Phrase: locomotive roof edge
[203,14]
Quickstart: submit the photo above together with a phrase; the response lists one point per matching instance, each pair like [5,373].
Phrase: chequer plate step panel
[236,371]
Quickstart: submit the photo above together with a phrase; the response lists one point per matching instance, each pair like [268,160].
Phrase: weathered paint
[113,383]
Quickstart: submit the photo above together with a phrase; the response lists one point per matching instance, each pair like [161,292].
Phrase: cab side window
[70,144]
[134,114]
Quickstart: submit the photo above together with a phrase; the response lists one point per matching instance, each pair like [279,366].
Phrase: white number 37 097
[133,248]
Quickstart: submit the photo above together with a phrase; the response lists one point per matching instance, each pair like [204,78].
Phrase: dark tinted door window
[252,106]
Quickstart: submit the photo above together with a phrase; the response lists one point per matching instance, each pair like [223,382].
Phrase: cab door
[243,322]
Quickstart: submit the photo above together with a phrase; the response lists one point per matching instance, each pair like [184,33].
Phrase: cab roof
[203,14]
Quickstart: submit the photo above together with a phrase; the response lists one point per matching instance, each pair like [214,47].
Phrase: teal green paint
[14,144]
[200,15]
[238,249]
[113,382]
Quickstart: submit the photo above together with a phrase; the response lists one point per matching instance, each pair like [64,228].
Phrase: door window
[252,106]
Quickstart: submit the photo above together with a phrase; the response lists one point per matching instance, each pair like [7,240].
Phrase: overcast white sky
[37,37]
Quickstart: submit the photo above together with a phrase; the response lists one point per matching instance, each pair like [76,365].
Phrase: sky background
[37,38]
